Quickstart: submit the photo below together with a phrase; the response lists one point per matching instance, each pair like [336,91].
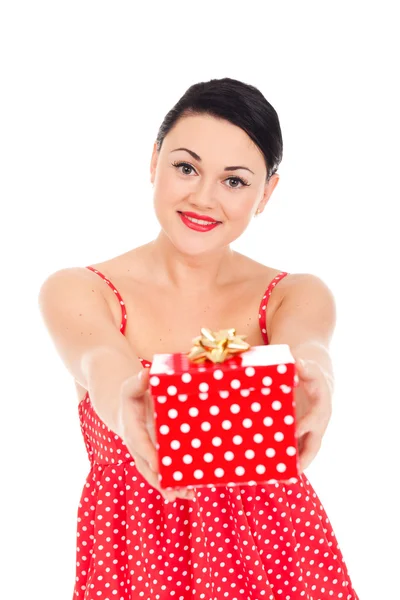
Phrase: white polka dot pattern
[251,542]
[233,409]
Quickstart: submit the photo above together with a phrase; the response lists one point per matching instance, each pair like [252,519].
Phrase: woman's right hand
[135,417]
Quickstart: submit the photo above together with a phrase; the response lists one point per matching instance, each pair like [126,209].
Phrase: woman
[214,166]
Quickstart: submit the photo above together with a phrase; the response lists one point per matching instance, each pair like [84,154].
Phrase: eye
[242,181]
[177,165]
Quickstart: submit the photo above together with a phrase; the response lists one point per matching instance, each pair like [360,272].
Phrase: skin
[201,259]
[203,282]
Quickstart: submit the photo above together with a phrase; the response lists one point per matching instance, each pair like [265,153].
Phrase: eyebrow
[197,157]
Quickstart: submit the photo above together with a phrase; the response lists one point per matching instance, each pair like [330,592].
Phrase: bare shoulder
[115,269]
[306,314]
[67,283]
[292,289]
[69,276]
[307,294]
[306,283]
[308,304]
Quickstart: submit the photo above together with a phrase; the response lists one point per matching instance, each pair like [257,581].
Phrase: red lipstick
[198,222]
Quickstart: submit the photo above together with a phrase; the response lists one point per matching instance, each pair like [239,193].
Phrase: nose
[203,197]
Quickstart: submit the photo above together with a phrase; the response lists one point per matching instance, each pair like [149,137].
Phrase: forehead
[213,138]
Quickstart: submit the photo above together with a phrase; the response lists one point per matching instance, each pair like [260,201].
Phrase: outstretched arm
[305,321]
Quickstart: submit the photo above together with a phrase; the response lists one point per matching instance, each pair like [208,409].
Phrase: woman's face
[208,186]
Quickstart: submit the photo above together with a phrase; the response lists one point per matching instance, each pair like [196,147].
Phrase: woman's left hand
[314,392]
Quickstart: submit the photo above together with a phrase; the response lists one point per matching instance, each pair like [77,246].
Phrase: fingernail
[304,365]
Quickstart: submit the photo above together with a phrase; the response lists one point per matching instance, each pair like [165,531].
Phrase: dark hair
[241,104]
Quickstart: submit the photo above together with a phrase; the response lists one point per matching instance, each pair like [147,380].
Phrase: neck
[198,273]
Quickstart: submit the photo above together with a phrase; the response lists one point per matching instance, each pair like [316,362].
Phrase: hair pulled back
[239,103]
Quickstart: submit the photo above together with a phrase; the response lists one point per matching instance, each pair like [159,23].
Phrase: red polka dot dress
[251,542]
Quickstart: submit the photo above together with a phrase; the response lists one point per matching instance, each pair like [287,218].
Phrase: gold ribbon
[217,346]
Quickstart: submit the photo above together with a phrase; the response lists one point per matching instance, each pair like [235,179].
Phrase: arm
[105,369]
[81,326]
[305,321]
[101,359]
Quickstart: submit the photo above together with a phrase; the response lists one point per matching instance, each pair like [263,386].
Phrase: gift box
[230,422]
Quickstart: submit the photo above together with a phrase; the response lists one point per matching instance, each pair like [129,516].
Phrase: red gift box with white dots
[229,423]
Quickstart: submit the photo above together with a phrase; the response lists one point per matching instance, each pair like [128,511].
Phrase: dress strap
[263,305]
[116,292]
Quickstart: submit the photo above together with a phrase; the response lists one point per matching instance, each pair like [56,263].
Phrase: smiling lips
[198,222]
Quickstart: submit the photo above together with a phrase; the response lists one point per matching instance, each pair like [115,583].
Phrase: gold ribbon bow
[217,345]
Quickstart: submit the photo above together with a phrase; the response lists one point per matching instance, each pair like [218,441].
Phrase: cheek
[239,208]
[168,187]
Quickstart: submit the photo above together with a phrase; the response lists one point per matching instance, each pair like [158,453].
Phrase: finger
[305,369]
[144,469]
[135,453]
[311,446]
[137,385]
[144,377]
[316,419]
[305,424]
[183,493]
[135,428]
[139,444]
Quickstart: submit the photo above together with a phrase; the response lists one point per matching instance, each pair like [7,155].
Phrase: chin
[194,243]
[197,244]
[195,247]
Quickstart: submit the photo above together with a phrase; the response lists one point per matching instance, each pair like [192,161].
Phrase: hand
[313,398]
[136,417]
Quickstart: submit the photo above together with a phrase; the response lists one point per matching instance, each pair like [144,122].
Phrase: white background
[85,86]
